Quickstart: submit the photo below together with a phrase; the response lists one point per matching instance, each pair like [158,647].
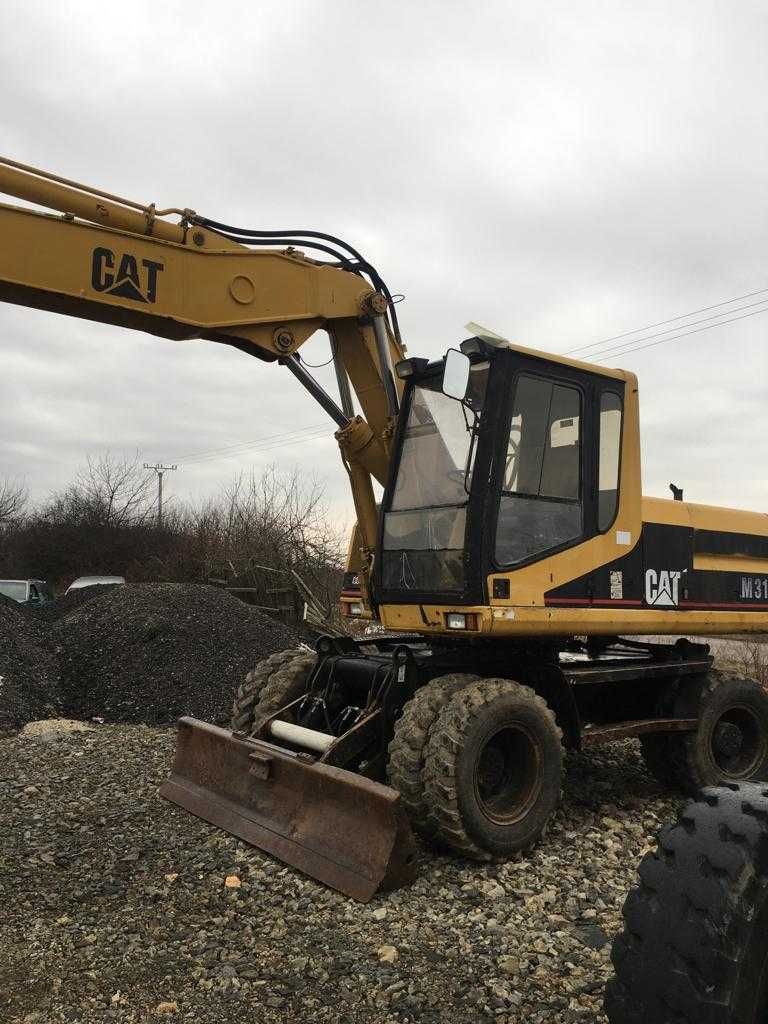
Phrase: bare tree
[13,500]
[113,491]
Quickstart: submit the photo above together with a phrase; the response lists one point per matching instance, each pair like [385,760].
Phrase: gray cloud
[561,172]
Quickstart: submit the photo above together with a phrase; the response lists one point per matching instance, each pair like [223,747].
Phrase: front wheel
[493,769]
[695,942]
[274,682]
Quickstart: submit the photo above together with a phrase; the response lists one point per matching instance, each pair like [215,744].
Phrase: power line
[662,341]
[243,444]
[256,447]
[716,320]
[227,449]
[259,451]
[661,323]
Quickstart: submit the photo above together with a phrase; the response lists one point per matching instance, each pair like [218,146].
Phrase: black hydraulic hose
[250,236]
[283,234]
[344,260]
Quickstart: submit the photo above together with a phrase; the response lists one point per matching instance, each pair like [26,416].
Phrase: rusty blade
[338,827]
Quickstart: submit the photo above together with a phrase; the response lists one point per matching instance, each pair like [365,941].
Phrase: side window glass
[541,487]
[610,449]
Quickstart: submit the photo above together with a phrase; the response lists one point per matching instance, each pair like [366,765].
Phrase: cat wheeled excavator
[509,562]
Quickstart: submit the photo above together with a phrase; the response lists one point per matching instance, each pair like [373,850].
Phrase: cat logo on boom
[133,279]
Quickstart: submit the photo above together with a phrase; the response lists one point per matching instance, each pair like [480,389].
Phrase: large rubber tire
[718,699]
[406,749]
[250,691]
[286,684]
[695,944]
[493,769]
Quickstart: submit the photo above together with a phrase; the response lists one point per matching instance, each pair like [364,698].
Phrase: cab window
[610,449]
[540,504]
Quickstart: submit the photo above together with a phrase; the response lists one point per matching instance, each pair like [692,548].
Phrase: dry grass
[747,657]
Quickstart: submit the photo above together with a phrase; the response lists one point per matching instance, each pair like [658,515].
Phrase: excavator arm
[109,259]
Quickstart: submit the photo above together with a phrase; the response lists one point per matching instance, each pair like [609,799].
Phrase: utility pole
[159,468]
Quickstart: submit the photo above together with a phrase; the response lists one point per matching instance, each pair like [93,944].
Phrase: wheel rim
[507,774]
[738,744]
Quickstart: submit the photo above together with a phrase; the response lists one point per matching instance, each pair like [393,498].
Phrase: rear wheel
[493,769]
[266,681]
[731,741]
[695,941]
[408,745]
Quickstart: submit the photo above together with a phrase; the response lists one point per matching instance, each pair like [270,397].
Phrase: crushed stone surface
[53,728]
[29,673]
[118,906]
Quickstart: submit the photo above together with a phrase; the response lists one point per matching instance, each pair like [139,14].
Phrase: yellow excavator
[508,564]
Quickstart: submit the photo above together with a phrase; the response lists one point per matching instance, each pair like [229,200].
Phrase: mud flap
[343,829]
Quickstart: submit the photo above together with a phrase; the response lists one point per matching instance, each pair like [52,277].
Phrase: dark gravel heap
[69,602]
[114,902]
[29,676]
[150,652]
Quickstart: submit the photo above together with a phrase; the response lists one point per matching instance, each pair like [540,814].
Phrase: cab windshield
[425,524]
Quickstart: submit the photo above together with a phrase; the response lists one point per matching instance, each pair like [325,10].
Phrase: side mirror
[456,374]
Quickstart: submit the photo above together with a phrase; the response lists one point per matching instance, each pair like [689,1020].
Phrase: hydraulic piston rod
[301,737]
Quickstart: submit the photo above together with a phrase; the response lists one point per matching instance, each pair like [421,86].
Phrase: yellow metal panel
[516,622]
[552,357]
[704,517]
[730,563]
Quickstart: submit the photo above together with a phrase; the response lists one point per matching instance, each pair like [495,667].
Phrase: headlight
[357,608]
[456,620]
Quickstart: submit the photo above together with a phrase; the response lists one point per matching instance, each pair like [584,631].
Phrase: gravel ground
[116,905]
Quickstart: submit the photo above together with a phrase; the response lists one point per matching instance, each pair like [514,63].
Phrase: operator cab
[503,458]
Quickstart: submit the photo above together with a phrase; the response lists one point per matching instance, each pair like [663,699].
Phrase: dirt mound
[28,670]
[154,651]
[69,602]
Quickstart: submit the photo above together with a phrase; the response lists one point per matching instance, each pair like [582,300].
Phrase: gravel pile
[29,675]
[150,652]
[117,905]
[69,602]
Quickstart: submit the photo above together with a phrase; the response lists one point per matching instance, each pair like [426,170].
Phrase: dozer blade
[338,827]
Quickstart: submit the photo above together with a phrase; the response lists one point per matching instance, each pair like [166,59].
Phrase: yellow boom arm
[112,260]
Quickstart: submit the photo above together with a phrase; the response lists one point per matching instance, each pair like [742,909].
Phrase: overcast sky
[560,172]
